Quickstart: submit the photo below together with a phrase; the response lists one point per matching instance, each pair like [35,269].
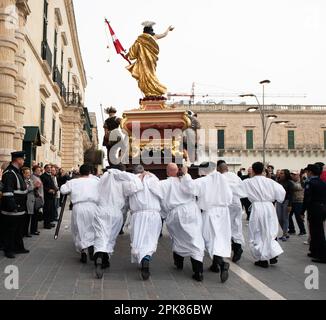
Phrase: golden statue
[145,51]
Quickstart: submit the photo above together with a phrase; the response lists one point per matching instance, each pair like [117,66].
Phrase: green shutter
[220,140]
[53,132]
[250,139]
[291,144]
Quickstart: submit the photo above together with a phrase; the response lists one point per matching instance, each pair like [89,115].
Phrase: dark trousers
[317,234]
[48,211]
[197,266]
[1,231]
[13,229]
[27,221]
[296,211]
[34,222]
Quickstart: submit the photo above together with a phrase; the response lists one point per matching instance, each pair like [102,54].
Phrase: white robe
[235,208]
[214,197]
[263,223]
[109,219]
[84,197]
[183,219]
[145,222]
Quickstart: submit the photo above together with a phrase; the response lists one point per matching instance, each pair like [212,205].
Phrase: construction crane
[193,95]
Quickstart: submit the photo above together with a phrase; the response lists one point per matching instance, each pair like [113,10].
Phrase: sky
[224,46]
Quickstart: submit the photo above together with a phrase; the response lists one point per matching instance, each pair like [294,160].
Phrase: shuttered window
[220,140]
[291,142]
[249,139]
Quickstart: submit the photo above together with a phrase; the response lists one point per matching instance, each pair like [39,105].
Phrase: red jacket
[323,176]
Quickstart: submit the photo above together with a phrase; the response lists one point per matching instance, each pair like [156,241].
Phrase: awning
[33,135]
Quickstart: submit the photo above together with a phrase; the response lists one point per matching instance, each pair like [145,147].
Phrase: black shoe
[145,269]
[106,261]
[37,233]
[273,261]
[317,260]
[9,255]
[302,233]
[28,236]
[292,232]
[263,264]
[48,227]
[198,276]
[224,272]
[310,255]
[215,268]
[52,225]
[237,254]
[91,253]
[22,251]
[83,257]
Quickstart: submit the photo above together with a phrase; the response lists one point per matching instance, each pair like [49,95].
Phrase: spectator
[245,201]
[277,175]
[39,200]
[54,172]
[30,200]
[49,197]
[323,174]
[62,178]
[297,201]
[271,175]
[315,204]
[283,209]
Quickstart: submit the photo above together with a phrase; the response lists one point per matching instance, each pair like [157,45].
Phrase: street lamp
[264,118]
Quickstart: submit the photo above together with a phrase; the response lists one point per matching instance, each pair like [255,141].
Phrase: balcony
[46,57]
[57,78]
[87,124]
[73,99]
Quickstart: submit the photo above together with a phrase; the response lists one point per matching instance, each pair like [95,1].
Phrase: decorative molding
[70,62]
[53,148]
[44,140]
[44,91]
[55,107]
[58,15]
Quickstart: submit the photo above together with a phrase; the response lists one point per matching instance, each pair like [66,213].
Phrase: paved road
[52,271]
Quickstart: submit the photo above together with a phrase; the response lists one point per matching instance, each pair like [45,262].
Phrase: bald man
[183,221]
[235,209]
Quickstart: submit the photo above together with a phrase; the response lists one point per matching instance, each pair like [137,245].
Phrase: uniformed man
[314,203]
[14,206]
[112,123]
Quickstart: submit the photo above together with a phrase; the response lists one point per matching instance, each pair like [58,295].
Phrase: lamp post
[266,120]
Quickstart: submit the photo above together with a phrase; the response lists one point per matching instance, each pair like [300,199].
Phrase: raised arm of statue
[163,35]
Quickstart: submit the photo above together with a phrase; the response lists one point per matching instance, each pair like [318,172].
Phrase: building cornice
[75,42]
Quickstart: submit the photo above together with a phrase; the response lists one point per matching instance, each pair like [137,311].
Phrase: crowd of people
[203,214]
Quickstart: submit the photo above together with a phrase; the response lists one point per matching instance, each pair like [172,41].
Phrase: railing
[63,92]
[46,53]
[243,108]
[88,124]
[57,77]
[73,98]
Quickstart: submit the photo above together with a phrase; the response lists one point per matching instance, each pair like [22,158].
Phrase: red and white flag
[117,44]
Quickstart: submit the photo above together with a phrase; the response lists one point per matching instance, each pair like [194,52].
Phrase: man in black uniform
[314,203]
[13,208]
[49,197]
[110,124]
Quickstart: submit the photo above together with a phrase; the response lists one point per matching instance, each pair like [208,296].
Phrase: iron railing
[46,53]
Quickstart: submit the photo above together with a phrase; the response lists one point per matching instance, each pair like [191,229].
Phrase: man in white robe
[84,197]
[263,223]
[235,209]
[109,218]
[145,222]
[183,221]
[214,198]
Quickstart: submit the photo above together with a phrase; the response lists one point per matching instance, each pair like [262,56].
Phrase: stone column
[20,84]
[8,74]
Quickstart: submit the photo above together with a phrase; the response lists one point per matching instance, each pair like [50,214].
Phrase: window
[249,139]
[62,55]
[220,140]
[60,138]
[53,132]
[42,124]
[55,55]
[45,20]
[291,144]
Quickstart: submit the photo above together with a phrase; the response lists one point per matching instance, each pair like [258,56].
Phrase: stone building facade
[42,83]
[236,134]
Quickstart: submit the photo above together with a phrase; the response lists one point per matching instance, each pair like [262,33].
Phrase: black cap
[18,154]
[315,169]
